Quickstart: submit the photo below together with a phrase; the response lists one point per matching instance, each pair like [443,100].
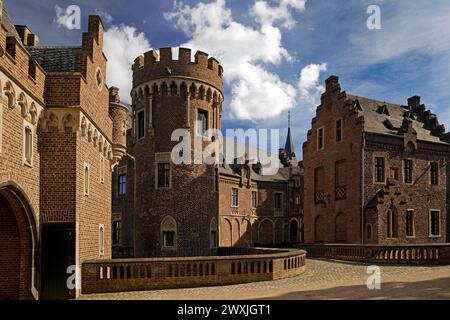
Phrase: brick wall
[333,107]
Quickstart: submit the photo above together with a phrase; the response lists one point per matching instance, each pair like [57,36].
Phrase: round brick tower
[176,205]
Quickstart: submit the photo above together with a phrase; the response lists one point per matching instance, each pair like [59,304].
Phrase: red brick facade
[55,122]
[356,158]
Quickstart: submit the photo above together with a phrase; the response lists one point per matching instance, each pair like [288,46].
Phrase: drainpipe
[362,184]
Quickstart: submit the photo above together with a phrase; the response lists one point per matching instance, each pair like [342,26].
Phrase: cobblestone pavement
[322,280]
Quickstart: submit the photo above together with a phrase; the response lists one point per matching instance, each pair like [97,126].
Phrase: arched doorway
[293,231]
[265,234]
[17,239]
[225,233]
[319,229]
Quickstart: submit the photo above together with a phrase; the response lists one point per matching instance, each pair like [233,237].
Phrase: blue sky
[277,53]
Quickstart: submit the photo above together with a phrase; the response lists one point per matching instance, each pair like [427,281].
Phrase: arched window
[168,233]
[86,179]
[102,169]
[101,239]
[392,223]
[28,146]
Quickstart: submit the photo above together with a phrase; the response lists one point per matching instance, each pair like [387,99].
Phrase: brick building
[59,137]
[166,209]
[375,172]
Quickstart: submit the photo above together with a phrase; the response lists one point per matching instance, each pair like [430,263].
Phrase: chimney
[28,38]
[114,95]
[95,27]
[332,84]
[414,102]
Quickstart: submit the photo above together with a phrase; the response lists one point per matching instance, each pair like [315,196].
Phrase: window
[435,228]
[338,130]
[101,240]
[202,122]
[213,239]
[86,179]
[234,197]
[434,173]
[122,185]
[319,184]
[410,223]
[141,125]
[28,146]
[320,142]
[169,233]
[408,174]
[379,169]
[169,239]
[278,198]
[102,169]
[254,199]
[392,223]
[117,228]
[339,180]
[163,175]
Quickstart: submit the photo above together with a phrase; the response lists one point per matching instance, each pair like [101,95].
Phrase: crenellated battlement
[151,66]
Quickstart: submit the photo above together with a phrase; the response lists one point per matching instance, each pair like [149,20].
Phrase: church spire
[289,146]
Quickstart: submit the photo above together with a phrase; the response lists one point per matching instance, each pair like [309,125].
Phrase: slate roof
[289,146]
[55,59]
[386,118]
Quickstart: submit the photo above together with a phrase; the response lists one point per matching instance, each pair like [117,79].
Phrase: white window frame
[102,169]
[101,239]
[86,184]
[429,223]
[237,198]
[28,128]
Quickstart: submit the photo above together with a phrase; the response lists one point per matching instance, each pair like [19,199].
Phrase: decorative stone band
[234,265]
[29,108]
[194,87]
[73,120]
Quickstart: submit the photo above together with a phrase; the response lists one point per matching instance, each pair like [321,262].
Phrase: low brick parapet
[426,254]
[118,275]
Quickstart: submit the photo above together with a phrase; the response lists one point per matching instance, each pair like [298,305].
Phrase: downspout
[362,184]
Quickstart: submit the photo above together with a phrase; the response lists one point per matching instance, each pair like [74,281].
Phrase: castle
[84,178]
[60,136]
[234,204]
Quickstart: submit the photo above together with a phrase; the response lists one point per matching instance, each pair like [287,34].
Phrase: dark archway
[293,231]
[319,229]
[18,238]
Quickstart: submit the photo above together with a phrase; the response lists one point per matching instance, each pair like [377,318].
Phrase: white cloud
[244,51]
[69,18]
[105,16]
[308,85]
[122,44]
[268,15]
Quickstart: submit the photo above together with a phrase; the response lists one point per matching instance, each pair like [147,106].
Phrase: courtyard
[322,280]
